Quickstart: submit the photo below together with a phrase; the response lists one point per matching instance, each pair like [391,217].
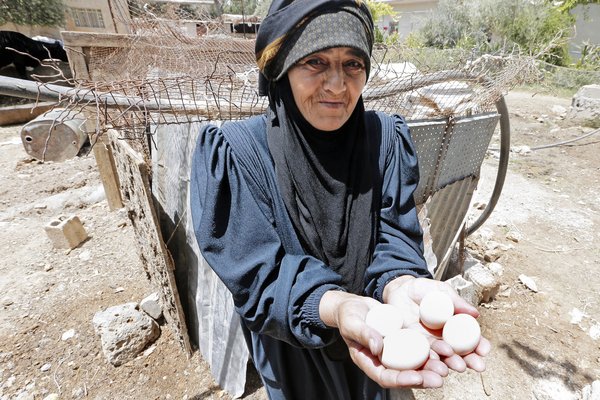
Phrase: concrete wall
[587,28]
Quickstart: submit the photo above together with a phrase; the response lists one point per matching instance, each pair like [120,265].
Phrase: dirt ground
[545,344]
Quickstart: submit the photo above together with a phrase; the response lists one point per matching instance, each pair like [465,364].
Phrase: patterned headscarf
[326,178]
[293,30]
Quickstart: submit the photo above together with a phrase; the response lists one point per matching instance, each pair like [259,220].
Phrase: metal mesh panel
[428,137]
[466,148]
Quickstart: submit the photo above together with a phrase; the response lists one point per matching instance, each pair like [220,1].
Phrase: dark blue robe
[246,236]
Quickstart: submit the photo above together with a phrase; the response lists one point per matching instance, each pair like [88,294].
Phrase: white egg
[435,309]
[462,333]
[385,319]
[405,349]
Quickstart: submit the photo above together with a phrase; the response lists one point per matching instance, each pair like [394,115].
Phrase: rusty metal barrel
[56,135]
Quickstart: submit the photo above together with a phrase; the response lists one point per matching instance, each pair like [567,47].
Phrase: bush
[536,27]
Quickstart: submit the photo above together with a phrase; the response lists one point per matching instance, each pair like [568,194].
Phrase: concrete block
[66,233]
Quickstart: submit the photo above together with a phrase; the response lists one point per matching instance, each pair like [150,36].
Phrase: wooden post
[108,172]
[102,153]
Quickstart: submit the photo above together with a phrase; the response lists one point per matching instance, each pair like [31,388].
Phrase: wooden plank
[77,62]
[134,176]
[94,39]
[108,171]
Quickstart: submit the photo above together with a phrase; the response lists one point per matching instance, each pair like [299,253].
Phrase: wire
[547,146]
[566,141]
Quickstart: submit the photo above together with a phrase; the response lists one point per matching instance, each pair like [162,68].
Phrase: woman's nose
[334,80]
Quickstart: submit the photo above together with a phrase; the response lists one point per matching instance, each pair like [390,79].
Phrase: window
[87,17]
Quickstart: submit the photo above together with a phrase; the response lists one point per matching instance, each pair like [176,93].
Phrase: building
[410,16]
[97,16]
[586,28]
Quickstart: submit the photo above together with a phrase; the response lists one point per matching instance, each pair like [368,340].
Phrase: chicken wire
[164,72]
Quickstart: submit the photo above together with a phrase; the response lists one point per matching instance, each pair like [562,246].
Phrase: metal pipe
[502,166]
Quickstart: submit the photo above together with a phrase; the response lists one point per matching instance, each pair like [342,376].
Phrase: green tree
[568,5]
[534,26]
[245,7]
[262,7]
[32,12]
[378,11]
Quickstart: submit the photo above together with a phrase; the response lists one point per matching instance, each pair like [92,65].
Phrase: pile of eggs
[407,349]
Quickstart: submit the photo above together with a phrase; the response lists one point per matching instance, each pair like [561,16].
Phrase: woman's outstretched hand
[348,312]
[407,292]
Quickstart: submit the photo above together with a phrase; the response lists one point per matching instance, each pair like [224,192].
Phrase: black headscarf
[326,178]
[294,29]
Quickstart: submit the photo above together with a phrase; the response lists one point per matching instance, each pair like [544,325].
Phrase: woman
[307,213]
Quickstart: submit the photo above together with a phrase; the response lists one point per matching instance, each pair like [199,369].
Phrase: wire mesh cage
[180,65]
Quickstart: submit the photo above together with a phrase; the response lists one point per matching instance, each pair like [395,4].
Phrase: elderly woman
[307,213]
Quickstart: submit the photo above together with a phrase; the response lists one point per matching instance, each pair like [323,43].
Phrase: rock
[486,282]
[77,393]
[577,316]
[465,289]
[151,306]
[514,236]
[68,334]
[52,396]
[124,332]
[496,268]
[559,110]
[591,392]
[585,104]
[85,255]
[595,332]
[46,367]
[552,389]
[521,150]
[528,282]
[25,396]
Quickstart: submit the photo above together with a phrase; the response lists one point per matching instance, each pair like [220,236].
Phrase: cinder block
[66,233]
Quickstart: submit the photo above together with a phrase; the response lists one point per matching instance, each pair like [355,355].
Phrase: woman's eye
[315,62]
[355,65]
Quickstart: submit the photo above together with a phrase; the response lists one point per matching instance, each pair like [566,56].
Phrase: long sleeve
[275,293]
[399,244]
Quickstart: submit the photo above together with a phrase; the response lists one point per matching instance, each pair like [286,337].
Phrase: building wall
[410,16]
[97,16]
[586,28]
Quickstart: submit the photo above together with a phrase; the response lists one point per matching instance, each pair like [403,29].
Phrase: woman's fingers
[456,363]
[475,362]
[373,368]
[431,376]
[484,347]
[434,364]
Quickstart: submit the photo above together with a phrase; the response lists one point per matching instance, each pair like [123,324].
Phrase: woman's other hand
[348,313]
[407,292]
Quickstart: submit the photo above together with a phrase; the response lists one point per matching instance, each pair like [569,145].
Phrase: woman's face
[327,85]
